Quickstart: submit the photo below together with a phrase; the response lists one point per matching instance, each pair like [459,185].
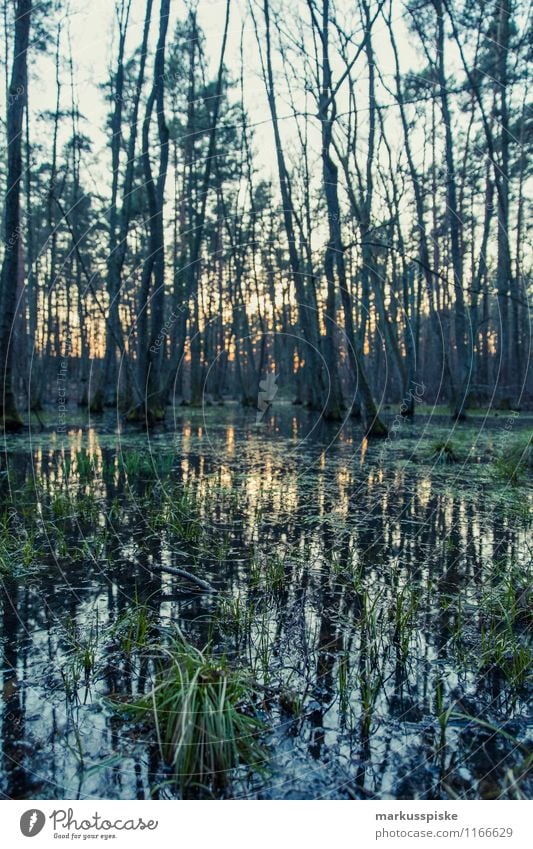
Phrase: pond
[378,596]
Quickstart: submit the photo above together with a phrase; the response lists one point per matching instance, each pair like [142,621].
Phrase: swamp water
[376,596]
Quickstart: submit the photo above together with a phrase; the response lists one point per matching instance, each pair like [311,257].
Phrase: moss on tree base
[248,401]
[377,430]
[151,416]
[10,421]
[333,414]
[97,403]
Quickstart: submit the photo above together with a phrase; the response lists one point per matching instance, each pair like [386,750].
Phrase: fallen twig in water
[183,573]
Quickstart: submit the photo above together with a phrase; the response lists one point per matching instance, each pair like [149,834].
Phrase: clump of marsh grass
[179,516]
[133,628]
[18,547]
[501,651]
[509,598]
[405,609]
[86,465]
[235,616]
[138,464]
[80,662]
[135,464]
[506,619]
[444,452]
[204,719]
[275,573]
[513,462]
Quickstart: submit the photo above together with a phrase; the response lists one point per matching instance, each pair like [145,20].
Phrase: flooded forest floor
[356,622]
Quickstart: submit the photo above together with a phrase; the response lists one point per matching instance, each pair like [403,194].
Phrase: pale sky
[93,37]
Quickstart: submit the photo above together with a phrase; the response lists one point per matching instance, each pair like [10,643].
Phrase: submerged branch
[178,571]
[184,573]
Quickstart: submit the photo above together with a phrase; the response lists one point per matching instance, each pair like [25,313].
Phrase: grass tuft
[204,719]
[513,462]
[445,452]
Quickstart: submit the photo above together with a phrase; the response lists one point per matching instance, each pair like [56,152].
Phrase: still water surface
[358,581]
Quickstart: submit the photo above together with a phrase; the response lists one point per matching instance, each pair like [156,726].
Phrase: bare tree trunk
[107,384]
[194,259]
[9,415]
[429,275]
[35,360]
[454,220]
[501,180]
[504,273]
[479,286]
[149,406]
[334,257]
[308,319]
[107,389]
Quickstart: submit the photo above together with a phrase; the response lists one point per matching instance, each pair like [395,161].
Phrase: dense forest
[371,247]
[266,407]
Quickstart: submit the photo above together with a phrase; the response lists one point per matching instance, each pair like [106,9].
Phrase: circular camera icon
[32,822]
